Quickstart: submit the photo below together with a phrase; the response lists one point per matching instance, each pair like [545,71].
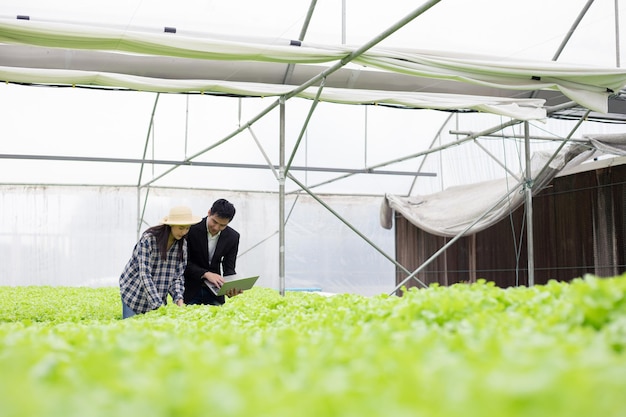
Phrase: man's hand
[213,278]
[233,292]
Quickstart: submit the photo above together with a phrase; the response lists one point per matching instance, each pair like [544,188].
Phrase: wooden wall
[579,224]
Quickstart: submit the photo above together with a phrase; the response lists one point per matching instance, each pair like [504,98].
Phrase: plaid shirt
[147,279]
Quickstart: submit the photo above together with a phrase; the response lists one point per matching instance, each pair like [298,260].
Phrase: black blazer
[223,262]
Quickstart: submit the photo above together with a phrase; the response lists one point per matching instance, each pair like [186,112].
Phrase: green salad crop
[471,350]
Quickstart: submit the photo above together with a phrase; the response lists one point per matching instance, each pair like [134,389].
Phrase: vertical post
[281,200]
[343,22]
[617,55]
[529,208]
[139,218]
[472,258]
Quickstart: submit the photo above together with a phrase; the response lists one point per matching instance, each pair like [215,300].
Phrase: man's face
[216,224]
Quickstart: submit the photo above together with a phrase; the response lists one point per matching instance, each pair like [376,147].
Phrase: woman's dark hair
[162,233]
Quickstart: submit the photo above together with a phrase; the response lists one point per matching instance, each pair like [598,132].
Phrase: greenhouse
[340,130]
[306,120]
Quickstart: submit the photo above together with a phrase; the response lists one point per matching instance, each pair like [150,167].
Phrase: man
[212,248]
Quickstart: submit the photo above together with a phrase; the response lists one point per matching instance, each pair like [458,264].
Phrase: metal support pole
[617,54]
[343,62]
[432,143]
[529,209]
[303,30]
[141,210]
[572,29]
[150,132]
[426,152]
[281,201]
[343,22]
[454,239]
[344,221]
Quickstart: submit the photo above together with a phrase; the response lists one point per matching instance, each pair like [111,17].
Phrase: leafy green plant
[469,349]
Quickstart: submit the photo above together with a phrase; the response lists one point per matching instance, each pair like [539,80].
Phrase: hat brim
[181,222]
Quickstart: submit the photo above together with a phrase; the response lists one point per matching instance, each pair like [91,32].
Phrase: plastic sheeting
[586,85]
[470,208]
[83,236]
[520,109]
[609,143]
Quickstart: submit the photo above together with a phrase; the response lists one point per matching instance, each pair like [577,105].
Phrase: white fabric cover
[521,109]
[449,212]
[609,143]
[588,86]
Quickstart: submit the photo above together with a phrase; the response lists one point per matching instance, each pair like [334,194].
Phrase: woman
[157,265]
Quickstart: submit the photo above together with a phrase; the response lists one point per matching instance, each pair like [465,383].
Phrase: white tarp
[609,143]
[587,85]
[452,211]
[521,109]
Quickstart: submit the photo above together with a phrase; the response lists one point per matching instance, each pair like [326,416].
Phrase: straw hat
[180,215]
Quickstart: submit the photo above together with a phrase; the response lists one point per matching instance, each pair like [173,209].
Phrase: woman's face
[179,231]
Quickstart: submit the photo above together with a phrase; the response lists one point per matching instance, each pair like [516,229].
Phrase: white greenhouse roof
[452,55]
[76,54]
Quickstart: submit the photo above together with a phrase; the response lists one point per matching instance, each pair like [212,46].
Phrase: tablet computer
[233,281]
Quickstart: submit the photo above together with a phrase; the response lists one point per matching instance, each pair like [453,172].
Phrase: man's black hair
[223,209]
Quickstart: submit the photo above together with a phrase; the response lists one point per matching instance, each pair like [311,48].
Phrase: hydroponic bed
[467,350]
